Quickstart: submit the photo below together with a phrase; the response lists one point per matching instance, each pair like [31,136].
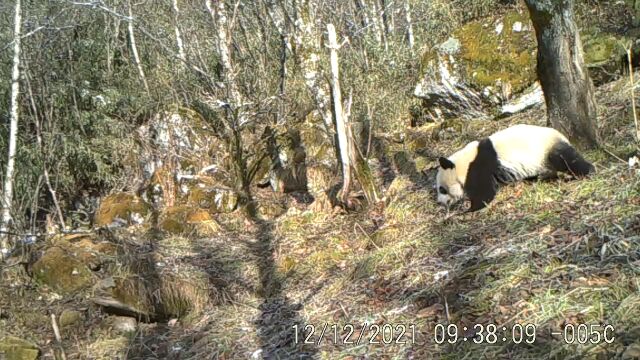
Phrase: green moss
[600,47]
[13,348]
[119,205]
[70,318]
[62,272]
[508,56]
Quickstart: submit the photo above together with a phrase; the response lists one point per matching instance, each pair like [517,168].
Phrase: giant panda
[513,154]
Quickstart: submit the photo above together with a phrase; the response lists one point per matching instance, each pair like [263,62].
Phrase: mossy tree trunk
[568,90]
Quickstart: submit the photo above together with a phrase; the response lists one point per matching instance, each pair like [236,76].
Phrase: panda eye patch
[442,190]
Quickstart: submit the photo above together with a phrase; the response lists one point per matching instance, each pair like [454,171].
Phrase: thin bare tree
[176,21]
[407,16]
[350,156]
[341,126]
[7,194]
[307,43]
[134,50]
[219,16]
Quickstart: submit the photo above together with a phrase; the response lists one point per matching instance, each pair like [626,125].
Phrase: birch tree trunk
[407,16]
[361,9]
[386,11]
[350,157]
[134,50]
[341,126]
[277,18]
[379,29]
[568,90]
[7,194]
[307,54]
[176,21]
[219,17]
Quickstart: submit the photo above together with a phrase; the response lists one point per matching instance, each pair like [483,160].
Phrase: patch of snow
[137,218]
[440,275]
[517,26]
[256,354]
[532,97]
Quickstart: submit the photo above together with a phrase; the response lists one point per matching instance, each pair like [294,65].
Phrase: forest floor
[543,255]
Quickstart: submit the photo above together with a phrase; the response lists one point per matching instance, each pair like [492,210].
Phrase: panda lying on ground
[513,154]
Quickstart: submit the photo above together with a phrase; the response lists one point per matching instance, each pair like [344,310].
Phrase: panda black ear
[446,163]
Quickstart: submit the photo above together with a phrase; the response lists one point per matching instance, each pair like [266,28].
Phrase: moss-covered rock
[214,198]
[483,64]
[87,248]
[317,143]
[186,219]
[320,178]
[13,348]
[603,53]
[61,271]
[121,207]
[500,51]
[70,318]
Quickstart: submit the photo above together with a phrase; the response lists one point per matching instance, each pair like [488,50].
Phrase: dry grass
[545,253]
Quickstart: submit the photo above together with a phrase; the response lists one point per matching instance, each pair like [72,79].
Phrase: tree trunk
[380,35]
[134,50]
[387,13]
[341,126]
[364,17]
[176,21]
[7,195]
[407,16]
[568,90]
[307,54]
[350,156]
[219,17]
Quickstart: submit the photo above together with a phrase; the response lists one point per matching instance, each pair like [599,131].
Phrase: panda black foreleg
[481,186]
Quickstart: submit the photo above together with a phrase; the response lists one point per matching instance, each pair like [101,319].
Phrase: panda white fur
[513,154]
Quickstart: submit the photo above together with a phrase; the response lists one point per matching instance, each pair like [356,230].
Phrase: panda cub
[513,154]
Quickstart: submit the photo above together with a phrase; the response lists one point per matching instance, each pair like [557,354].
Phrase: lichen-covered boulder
[214,198]
[121,208]
[62,271]
[70,318]
[186,219]
[13,348]
[482,65]
[179,131]
[88,248]
[604,53]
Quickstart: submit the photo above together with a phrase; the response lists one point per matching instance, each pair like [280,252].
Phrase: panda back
[522,150]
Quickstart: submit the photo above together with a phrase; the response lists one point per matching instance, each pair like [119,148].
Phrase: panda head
[448,185]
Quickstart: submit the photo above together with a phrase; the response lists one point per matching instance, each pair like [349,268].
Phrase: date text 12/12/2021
[387,334]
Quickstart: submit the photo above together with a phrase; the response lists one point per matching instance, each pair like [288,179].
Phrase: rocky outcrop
[121,209]
[487,68]
[481,66]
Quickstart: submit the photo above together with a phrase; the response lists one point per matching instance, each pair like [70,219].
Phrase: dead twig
[56,331]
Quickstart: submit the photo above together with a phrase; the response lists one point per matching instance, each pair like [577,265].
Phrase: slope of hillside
[544,254]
